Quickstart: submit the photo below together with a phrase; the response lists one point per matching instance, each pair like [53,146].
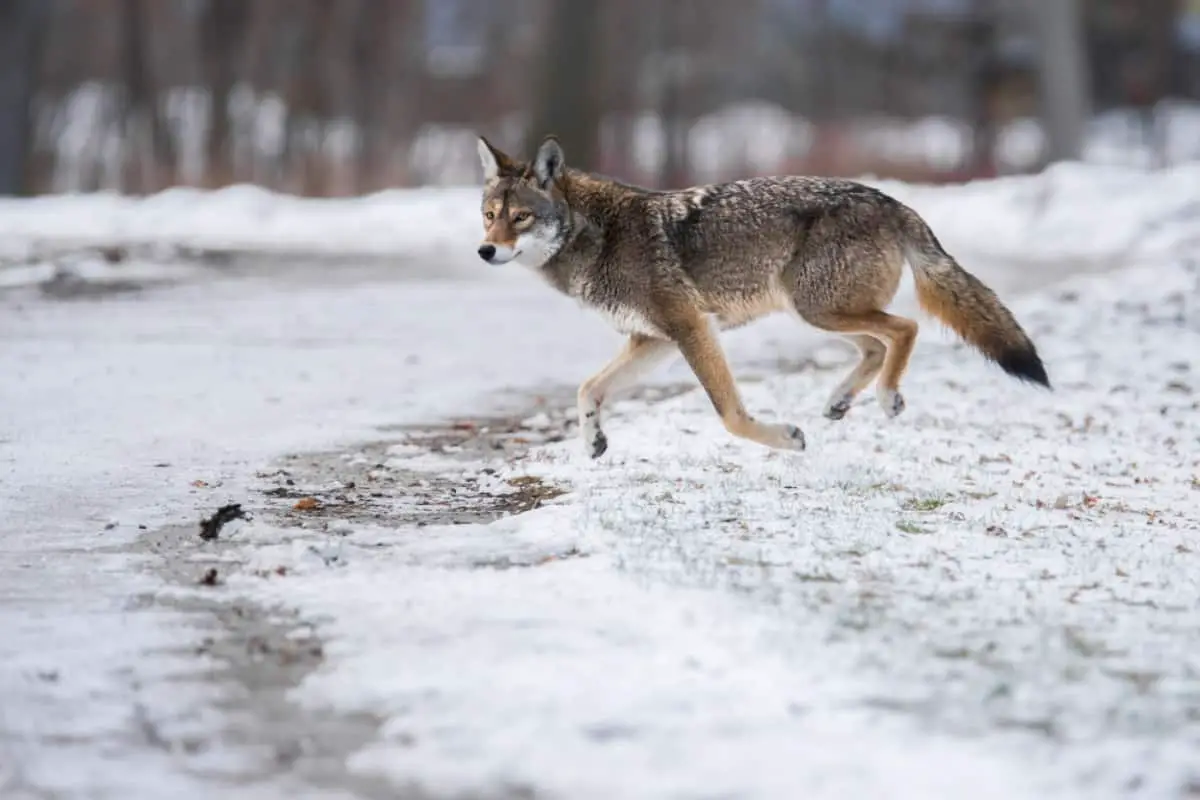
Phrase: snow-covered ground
[113,409]
[994,593]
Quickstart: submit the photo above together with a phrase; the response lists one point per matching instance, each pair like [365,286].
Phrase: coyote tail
[968,306]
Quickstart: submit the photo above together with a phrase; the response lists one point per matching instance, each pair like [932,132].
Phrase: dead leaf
[307,504]
[524,480]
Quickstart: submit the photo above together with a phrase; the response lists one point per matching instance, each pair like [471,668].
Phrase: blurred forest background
[341,97]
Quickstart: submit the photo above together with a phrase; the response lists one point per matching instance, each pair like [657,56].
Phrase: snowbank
[1071,211]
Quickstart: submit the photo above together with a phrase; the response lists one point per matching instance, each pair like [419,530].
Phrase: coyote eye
[521,216]
[489,216]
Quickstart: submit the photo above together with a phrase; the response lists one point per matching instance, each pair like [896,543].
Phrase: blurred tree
[372,25]
[336,96]
[311,99]
[569,92]
[222,29]
[154,169]
[672,57]
[985,76]
[1065,88]
[22,25]
[1159,57]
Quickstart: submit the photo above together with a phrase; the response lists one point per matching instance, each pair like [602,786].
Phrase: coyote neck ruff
[663,267]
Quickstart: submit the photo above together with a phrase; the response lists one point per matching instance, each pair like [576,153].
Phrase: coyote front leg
[640,355]
[700,347]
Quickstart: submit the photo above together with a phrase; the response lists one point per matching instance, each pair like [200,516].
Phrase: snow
[1067,212]
[994,593]
[1072,211]
[112,409]
[574,679]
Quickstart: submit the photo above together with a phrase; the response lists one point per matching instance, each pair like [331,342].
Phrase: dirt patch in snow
[367,483]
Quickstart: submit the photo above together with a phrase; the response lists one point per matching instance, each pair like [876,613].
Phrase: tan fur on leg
[639,356]
[872,353]
[900,336]
[703,353]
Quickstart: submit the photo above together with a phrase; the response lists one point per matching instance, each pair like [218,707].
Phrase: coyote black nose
[487,251]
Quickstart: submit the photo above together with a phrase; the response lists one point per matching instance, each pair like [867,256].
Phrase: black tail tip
[1025,364]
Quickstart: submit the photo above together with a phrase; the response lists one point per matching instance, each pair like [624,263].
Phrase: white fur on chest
[627,320]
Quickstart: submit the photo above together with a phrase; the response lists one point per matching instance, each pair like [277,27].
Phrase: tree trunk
[1165,51]
[155,169]
[379,22]
[22,24]
[984,72]
[569,107]
[221,31]
[672,52]
[1065,88]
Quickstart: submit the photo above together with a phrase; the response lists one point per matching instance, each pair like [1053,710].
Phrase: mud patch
[431,474]
[435,494]
[371,484]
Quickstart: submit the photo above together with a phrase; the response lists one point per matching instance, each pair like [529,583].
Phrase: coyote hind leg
[872,353]
[898,335]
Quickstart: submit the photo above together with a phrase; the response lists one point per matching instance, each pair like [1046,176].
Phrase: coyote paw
[598,444]
[791,438]
[838,407]
[795,437]
[892,402]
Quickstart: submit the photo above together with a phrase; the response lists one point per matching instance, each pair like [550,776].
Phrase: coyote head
[525,215]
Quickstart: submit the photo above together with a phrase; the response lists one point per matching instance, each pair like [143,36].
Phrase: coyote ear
[494,162]
[549,162]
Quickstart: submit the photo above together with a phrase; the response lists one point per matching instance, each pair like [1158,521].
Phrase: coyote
[670,269]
